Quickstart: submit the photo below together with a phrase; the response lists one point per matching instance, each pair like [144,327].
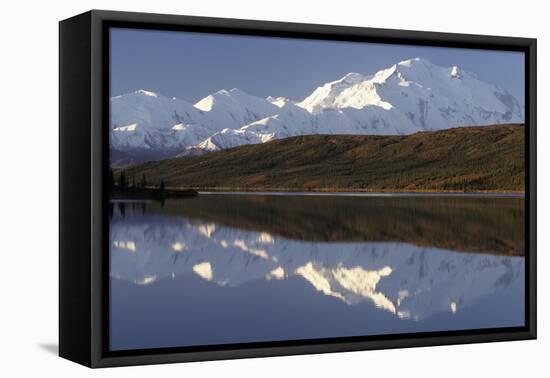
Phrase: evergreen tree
[122,180]
[111,177]
[143,181]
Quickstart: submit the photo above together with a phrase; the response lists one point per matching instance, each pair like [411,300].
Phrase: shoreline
[365,193]
[229,189]
[362,192]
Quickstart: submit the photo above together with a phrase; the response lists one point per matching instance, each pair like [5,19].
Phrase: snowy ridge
[410,96]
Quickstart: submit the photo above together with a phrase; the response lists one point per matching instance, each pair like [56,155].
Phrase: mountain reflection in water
[229,269]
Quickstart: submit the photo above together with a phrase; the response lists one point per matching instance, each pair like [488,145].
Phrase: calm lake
[237,268]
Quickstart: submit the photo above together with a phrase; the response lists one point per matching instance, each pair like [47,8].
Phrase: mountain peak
[352,77]
[278,101]
[146,93]
[348,79]
[207,103]
[383,75]
[414,61]
[236,91]
[232,91]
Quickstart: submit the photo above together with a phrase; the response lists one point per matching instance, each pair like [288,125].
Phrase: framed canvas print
[233,188]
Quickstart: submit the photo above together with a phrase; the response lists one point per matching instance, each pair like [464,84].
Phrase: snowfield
[410,96]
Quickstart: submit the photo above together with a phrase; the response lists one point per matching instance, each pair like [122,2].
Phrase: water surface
[234,268]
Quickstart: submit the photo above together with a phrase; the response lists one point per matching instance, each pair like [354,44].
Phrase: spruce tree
[111,178]
[143,181]
[122,180]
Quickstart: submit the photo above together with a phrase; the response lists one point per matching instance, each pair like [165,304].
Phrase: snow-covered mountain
[410,96]
[406,280]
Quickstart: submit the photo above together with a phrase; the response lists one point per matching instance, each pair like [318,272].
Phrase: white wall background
[28,161]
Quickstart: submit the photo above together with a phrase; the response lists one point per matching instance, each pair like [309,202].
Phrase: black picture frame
[83,164]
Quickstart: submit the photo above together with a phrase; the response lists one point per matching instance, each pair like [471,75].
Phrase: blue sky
[192,65]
